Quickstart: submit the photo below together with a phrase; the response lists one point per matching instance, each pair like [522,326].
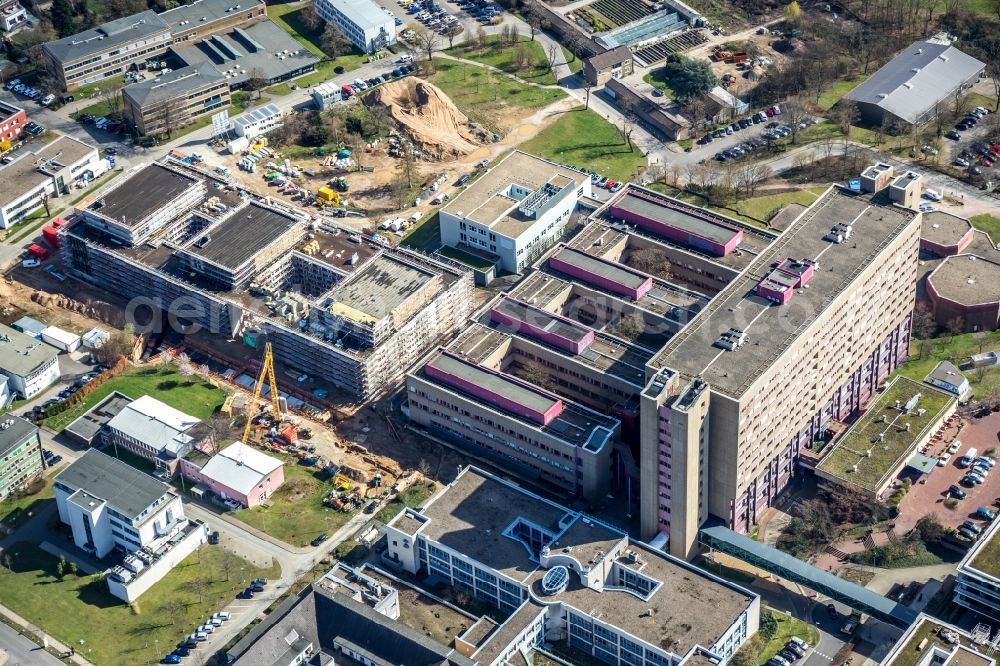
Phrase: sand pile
[427,116]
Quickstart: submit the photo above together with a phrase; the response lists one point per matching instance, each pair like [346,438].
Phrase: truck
[969,456]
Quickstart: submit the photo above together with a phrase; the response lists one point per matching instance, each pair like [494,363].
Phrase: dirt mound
[427,116]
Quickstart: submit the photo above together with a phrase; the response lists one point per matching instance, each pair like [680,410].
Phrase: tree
[199,586]
[651,261]
[792,12]
[923,326]
[587,88]
[256,80]
[113,99]
[794,113]
[955,326]
[481,38]
[310,19]
[119,344]
[428,42]
[930,530]
[552,57]
[453,31]
[534,372]
[45,203]
[630,326]
[749,175]
[522,58]
[61,567]
[534,22]
[333,42]
[172,608]
[768,623]
[227,564]
[689,78]
[73,569]
[62,17]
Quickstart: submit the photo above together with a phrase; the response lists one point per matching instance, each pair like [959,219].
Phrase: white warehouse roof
[363,13]
[157,424]
[225,469]
[61,336]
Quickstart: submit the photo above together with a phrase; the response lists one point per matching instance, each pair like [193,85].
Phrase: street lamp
[243,577]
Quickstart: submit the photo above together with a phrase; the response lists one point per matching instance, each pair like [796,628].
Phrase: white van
[969,456]
[932,195]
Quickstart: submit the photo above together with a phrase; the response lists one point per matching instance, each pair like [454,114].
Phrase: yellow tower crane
[266,372]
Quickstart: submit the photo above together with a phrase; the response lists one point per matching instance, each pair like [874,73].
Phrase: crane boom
[266,373]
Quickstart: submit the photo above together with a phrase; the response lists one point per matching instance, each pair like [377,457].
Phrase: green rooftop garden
[987,559]
[860,446]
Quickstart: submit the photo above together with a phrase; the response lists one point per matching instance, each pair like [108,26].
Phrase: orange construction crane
[266,372]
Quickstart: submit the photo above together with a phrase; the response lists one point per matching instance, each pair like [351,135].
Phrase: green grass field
[80,611]
[486,97]
[192,395]
[412,498]
[297,514]
[14,511]
[503,58]
[290,18]
[988,223]
[655,78]
[924,355]
[763,206]
[584,139]
[575,64]
[424,235]
[787,627]
[834,93]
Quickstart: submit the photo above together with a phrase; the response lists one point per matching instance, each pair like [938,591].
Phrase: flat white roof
[154,423]
[60,335]
[363,13]
[223,467]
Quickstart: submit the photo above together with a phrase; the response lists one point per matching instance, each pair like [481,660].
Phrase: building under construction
[336,305]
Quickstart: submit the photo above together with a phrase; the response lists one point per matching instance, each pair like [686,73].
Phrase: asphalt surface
[21,651]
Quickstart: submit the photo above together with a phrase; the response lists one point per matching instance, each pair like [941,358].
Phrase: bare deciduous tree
[749,175]
[428,41]
[552,56]
[794,114]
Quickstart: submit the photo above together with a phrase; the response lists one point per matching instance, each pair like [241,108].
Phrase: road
[21,651]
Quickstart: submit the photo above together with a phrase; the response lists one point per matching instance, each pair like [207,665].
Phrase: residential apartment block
[516,211]
[111,505]
[171,101]
[363,22]
[141,39]
[20,454]
[30,365]
[46,171]
[337,305]
[931,642]
[562,576]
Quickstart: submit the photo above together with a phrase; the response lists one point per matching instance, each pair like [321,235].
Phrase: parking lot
[928,496]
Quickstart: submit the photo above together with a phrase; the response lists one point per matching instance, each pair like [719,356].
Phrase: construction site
[340,307]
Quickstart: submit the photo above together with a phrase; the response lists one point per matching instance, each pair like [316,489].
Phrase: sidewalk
[47,640]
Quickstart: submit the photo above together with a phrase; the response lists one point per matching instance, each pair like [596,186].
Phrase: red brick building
[12,121]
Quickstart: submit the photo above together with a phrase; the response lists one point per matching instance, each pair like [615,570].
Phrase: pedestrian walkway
[45,640]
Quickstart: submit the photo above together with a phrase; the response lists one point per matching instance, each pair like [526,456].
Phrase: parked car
[957,492]
[967,533]
[986,514]
[972,526]
[849,627]
[171,659]
[795,640]
[831,610]
[245,594]
[319,540]
[182,651]
[788,655]
[213,538]
[222,615]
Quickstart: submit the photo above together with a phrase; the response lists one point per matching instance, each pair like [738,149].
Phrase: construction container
[37,251]
[326,194]
[289,433]
[59,222]
[51,236]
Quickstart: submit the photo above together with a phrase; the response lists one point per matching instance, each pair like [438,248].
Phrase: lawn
[925,354]
[913,653]
[575,64]
[32,223]
[486,97]
[584,139]
[787,627]
[425,235]
[884,455]
[192,395]
[281,89]
[290,19]
[81,612]
[297,514]
[503,57]
[95,88]
[767,206]
[412,498]
[15,509]
[835,92]
[655,78]
[988,223]
[102,108]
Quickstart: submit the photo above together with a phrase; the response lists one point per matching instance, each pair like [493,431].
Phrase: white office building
[30,365]
[43,172]
[156,431]
[111,505]
[363,22]
[564,576]
[516,211]
[259,121]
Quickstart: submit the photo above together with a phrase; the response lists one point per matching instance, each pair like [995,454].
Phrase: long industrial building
[337,306]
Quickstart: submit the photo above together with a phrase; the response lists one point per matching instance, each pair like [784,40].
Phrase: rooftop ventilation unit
[731,340]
